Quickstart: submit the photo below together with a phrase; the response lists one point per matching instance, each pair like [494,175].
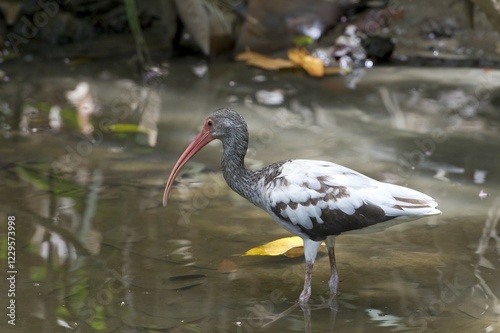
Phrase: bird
[315,200]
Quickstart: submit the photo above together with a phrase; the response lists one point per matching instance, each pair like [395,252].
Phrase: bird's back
[317,199]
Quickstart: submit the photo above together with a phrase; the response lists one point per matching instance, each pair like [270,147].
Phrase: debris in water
[270,97]
[262,61]
[55,118]
[82,99]
[479,176]
[227,266]
[200,70]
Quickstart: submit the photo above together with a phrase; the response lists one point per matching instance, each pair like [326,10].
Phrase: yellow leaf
[276,248]
[262,61]
[313,66]
[295,252]
[296,55]
[127,128]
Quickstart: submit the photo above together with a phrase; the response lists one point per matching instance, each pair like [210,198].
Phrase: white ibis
[315,200]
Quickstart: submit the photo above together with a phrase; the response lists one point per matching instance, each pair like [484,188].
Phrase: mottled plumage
[315,200]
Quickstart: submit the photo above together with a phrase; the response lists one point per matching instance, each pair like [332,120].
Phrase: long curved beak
[199,142]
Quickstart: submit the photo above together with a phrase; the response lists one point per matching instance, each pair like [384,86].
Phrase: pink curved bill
[199,142]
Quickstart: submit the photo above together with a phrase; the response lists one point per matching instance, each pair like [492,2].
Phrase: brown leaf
[262,61]
[313,66]
[296,55]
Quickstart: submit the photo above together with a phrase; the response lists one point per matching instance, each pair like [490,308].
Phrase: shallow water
[96,251]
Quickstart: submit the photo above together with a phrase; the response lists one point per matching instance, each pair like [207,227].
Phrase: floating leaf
[127,128]
[265,62]
[313,66]
[277,247]
[298,57]
[295,252]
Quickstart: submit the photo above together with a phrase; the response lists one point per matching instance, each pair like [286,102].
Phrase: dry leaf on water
[265,62]
[295,252]
[277,247]
[313,66]
[291,247]
[299,57]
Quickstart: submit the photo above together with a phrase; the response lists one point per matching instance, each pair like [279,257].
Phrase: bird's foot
[332,302]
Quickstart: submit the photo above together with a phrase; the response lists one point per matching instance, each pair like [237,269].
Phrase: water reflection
[99,254]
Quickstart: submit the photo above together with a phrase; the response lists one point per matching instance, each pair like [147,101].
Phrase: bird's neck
[240,179]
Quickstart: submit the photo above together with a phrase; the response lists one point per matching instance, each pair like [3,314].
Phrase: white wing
[320,198]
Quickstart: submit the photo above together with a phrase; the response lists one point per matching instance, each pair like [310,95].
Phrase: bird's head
[219,125]
[223,123]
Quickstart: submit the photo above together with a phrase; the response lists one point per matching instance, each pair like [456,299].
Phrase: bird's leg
[310,251]
[306,292]
[333,283]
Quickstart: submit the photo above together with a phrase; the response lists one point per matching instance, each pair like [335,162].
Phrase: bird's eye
[210,123]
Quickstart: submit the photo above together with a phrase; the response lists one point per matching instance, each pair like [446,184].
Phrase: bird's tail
[410,202]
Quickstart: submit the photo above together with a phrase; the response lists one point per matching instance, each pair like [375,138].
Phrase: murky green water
[95,251]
